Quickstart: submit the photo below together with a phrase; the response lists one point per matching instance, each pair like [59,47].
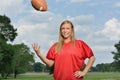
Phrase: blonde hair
[61,39]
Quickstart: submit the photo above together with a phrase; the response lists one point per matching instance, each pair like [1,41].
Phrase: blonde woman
[67,55]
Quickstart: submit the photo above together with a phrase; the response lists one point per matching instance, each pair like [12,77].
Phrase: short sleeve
[51,53]
[87,51]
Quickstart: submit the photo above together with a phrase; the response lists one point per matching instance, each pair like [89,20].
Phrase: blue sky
[97,22]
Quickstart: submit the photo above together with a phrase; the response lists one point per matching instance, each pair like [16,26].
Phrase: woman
[67,55]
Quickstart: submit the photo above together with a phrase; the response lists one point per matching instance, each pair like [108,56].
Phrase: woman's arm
[89,64]
[36,48]
[79,74]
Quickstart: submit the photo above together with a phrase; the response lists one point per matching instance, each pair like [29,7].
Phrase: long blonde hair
[61,39]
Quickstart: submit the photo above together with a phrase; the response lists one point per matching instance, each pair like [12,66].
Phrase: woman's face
[66,31]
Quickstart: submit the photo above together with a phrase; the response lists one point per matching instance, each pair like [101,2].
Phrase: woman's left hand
[79,74]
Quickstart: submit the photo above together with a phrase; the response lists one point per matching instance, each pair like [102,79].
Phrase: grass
[32,76]
[89,76]
[103,76]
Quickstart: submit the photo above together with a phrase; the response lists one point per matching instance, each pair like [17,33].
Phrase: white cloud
[111,29]
[25,29]
[36,33]
[99,48]
[11,7]
[82,19]
[38,27]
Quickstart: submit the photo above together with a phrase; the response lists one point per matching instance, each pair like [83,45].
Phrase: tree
[23,59]
[7,53]
[7,33]
[50,69]
[39,67]
[116,56]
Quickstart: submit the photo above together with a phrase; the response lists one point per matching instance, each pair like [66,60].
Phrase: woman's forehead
[66,25]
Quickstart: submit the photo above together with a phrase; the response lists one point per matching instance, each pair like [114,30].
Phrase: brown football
[39,5]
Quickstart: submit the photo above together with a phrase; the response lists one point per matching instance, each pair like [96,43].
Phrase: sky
[96,22]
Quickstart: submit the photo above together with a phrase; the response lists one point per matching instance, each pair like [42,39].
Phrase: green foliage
[50,69]
[117,53]
[23,58]
[7,32]
[6,52]
[103,67]
[116,56]
[4,19]
[39,67]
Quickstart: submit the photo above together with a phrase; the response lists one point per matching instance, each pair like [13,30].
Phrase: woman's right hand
[36,48]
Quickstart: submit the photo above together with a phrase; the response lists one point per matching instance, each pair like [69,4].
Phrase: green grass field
[89,76]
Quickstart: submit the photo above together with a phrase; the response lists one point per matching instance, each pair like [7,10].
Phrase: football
[39,5]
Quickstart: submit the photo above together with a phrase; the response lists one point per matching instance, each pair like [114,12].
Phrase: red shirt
[69,60]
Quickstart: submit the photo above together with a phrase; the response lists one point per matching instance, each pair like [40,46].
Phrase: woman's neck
[67,40]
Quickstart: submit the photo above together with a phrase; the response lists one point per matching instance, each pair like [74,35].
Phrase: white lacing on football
[41,8]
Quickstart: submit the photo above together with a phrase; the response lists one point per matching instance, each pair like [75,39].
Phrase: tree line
[110,67]
[17,58]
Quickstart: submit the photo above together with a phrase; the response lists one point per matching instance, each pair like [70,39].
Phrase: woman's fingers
[79,74]
[35,46]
